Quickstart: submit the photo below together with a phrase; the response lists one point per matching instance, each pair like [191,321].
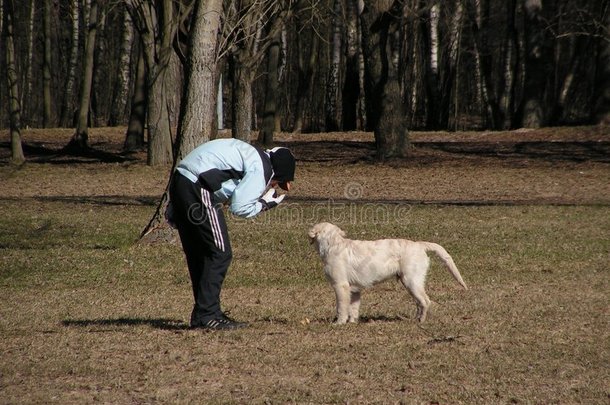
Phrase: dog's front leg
[354,308]
[342,291]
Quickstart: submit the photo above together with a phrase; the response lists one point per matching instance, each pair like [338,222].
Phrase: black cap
[283,163]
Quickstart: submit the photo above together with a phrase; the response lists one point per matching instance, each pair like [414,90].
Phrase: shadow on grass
[38,152]
[382,318]
[361,320]
[364,152]
[158,323]
[120,200]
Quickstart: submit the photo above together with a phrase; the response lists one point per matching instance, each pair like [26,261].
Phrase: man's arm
[245,200]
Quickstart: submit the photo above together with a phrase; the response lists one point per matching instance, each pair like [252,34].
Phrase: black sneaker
[222,322]
[225,320]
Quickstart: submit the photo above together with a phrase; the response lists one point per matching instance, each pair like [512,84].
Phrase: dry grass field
[88,315]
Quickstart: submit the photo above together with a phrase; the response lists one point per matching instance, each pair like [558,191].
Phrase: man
[217,172]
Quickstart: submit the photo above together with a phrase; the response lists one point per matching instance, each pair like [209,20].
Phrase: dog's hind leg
[354,308]
[417,291]
[342,292]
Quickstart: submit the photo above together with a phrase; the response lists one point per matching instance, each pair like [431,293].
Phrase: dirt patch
[568,165]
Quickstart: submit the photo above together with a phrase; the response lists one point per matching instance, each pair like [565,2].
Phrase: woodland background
[303,66]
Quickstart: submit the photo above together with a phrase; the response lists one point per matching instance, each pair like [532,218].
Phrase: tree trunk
[255,25]
[537,71]
[450,75]
[67,110]
[220,105]
[26,93]
[175,81]
[17,156]
[432,76]
[511,63]
[573,54]
[121,90]
[134,139]
[283,56]
[351,85]
[99,106]
[478,10]
[46,66]
[241,107]
[265,136]
[601,110]
[157,28]
[333,113]
[197,118]
[414,80]
[159,128]
[81,136]
[306,78]
[385,107]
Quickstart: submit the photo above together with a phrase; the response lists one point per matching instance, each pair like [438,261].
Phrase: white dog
[352,265]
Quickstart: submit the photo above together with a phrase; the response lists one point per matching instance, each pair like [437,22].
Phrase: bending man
[218,172]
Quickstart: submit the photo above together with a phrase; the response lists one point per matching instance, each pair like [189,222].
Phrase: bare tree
[196,124]
[121,89]
[29,54]
[157,24]
[80,139]
[250,26]
[67,109]
[478,11]
[413,76]
[449,90]
[265,136]
[601,111]
[382,56]
[98,105]
[245,31]
[433,81]
[537,69]
[46,65]
[134,138]
[197,114]
[511,64]
[307,25]
[351,86]
[333,95]
[8,17]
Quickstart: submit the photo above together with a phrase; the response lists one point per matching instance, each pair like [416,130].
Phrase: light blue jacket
[232,170]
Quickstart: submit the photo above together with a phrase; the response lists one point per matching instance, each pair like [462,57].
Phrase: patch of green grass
[88,315]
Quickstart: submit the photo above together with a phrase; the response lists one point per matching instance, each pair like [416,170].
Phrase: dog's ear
[322,242]
[312,235]
[313,232]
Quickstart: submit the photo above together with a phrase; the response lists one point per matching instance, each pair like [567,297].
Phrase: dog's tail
[446,258]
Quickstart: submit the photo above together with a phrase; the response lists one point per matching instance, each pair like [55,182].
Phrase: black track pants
[205,241]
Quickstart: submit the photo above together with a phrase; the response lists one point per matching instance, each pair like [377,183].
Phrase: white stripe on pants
[213,216]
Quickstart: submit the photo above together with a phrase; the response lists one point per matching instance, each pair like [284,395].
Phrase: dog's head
[324,235]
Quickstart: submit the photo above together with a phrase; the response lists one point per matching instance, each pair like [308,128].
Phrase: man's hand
[270,199]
